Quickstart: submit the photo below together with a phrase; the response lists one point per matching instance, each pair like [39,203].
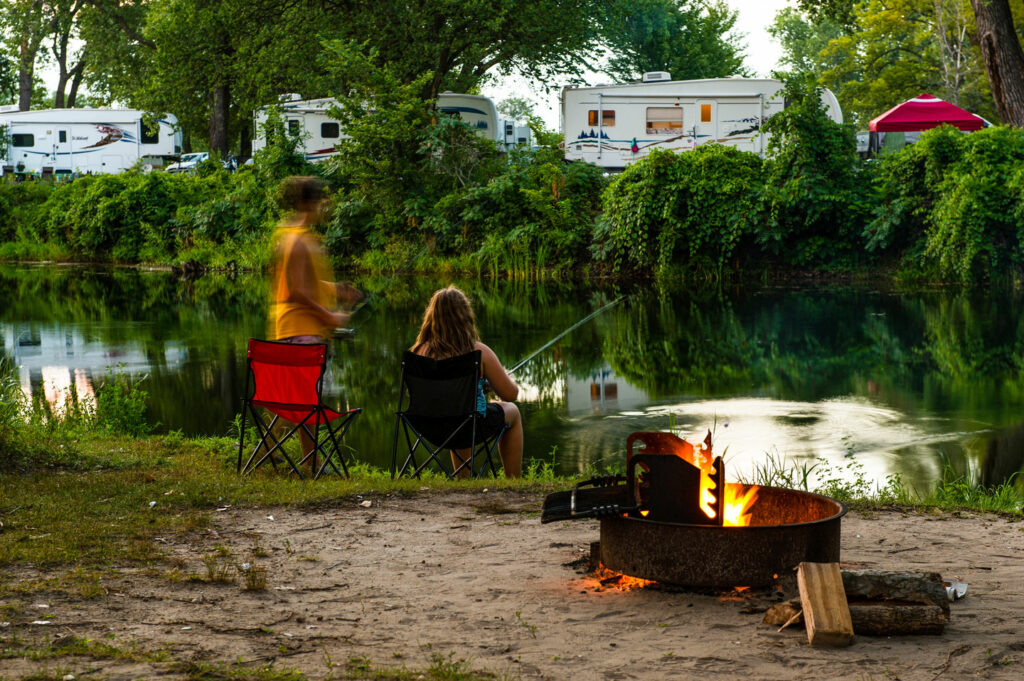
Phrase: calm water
[902,382]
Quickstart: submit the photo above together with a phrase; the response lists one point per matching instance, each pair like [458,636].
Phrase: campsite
[555,339]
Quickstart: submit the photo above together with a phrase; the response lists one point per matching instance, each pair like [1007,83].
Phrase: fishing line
[566,332]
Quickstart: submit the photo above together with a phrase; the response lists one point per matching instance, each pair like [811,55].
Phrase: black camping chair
[287,382]
[441,411]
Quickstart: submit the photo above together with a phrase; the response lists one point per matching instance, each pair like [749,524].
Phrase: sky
[762,54]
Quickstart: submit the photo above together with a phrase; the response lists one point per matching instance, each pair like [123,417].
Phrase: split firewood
[871,618]
[897,587]
[887,619]
[823,601]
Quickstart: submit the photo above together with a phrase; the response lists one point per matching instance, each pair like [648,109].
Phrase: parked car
[188,162]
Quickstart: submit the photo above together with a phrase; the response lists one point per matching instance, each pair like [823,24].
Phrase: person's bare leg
[307,448]
[459,457]
[511,445]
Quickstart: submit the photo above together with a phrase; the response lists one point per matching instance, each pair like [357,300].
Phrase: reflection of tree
[675,345]
[1004,457]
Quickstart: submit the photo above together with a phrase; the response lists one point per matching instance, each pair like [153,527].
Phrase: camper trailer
[76,141]
[614,125]
[309,119]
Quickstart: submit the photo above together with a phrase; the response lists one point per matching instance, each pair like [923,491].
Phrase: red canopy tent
[923,113]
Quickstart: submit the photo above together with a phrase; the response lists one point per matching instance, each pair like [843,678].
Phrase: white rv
[614,125]
[309,120]
[66,141]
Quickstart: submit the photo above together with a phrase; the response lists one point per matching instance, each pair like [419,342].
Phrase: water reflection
[905,382]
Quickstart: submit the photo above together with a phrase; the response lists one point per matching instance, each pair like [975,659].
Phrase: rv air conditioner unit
[652,76]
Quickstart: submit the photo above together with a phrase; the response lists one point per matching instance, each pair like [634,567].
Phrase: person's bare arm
[302,285]
[501,383]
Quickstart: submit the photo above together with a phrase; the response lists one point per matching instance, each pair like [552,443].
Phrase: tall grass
[848,483]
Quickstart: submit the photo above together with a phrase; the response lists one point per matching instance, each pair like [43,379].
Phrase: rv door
[706,121]
[62,149]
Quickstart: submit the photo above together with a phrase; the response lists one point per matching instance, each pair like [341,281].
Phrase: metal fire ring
[787,527]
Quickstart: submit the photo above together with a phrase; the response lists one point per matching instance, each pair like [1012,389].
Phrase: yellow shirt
[293,319]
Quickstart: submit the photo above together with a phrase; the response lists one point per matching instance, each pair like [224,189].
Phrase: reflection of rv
[51,358]
[309,120]
[614,125]
[65,141]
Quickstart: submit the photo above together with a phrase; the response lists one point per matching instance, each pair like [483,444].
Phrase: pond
[900,382]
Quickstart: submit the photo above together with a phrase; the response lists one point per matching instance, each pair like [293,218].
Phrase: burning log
[883,603]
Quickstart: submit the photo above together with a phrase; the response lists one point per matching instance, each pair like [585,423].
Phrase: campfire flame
[738,498]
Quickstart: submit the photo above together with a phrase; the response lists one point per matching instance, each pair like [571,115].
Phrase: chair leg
[264,431]
[394,446]
[333,435]
[241,440]
[280,446]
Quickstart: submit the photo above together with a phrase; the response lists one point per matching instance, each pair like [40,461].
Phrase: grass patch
[72,646]
[136,489]
[848,483]
[441,668]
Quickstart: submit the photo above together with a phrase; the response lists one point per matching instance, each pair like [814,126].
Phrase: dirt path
[478,576]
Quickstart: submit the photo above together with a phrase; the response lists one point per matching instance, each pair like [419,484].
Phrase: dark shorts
[437,431]
[494,419]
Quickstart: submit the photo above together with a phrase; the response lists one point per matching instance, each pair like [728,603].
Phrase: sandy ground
[478,576]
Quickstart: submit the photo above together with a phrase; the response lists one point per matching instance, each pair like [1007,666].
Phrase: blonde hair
[449,325]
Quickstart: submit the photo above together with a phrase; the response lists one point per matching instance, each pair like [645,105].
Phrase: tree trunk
[58,95]
[220,107]
[1003,57]
[76,80]
[245,138]
[25,88]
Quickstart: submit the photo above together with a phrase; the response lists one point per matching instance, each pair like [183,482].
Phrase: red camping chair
[287,381]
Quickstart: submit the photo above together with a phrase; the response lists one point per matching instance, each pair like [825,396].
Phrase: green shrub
[815,198]
[11,416]
[906,183]
[975,230]
[121,404]
[691,208]
[538,211]
[20,204]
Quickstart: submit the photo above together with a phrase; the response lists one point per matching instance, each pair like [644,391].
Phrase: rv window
[62,136]
[607,117]
[293,126]
[705,113]
[664,121]
[329,130]
[23,139]
[149,137]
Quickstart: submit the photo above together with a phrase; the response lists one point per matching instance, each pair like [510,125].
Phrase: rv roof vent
[290,97]
[652,76]
[9,108]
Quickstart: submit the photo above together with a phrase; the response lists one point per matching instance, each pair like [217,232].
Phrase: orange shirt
[293,319]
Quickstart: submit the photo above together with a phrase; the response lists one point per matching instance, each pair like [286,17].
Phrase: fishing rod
[566,333]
